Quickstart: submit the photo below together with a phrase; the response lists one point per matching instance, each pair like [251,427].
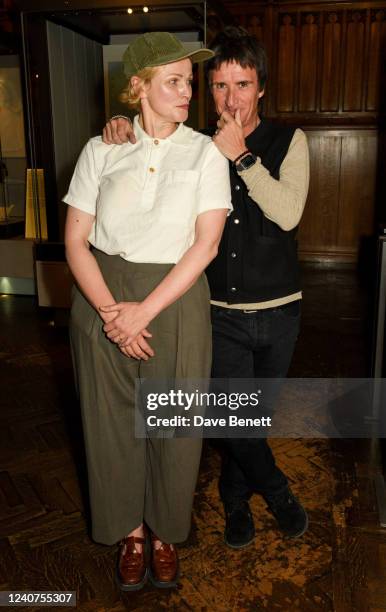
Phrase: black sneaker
[239,527]
[289,513]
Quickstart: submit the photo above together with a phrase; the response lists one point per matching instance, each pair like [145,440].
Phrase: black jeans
[252,345]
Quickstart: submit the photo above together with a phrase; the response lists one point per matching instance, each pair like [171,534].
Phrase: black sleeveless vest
[257,260]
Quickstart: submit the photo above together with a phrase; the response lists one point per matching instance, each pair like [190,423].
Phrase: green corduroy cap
[156,49]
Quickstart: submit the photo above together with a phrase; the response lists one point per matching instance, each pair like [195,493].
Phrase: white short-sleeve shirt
[146,197]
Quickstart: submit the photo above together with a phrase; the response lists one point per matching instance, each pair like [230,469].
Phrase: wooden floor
[339,564]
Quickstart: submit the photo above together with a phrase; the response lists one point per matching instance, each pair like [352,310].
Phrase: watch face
[246,162]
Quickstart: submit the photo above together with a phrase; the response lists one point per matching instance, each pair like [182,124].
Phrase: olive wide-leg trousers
[133,479]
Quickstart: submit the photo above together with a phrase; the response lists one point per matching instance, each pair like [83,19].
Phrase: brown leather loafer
[164,570]
[132,565]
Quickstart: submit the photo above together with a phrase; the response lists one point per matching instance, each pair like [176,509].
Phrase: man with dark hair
[254,280]
[234,44]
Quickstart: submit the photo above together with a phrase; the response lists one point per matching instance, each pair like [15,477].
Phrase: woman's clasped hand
[128,328]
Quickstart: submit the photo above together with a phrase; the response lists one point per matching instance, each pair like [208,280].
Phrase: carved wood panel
[318,227]
[308,63]
[357,188]
[377,55]
[330,73]
[286,64]
[339,212]
[254,25]
[354,73]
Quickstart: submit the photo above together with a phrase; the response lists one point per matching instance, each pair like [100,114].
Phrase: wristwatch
[245,162]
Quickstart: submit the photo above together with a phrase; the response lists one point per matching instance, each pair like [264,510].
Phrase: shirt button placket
[150,185]
[155,154]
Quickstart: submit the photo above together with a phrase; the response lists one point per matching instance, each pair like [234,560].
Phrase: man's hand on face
[229,137]
[118,131]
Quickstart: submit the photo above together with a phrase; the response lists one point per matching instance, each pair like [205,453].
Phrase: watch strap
[247,161]
[240,156]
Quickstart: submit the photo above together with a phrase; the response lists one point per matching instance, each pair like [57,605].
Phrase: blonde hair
[130,95]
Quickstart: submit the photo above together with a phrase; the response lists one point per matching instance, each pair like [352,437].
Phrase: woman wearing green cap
[143,223]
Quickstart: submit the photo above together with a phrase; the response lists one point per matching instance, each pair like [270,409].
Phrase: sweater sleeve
[282,201]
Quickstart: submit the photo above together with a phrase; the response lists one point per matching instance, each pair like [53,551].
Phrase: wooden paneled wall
[327,74]
[329,61]
[339,214]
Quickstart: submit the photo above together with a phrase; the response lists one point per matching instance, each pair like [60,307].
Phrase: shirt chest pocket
[177,197]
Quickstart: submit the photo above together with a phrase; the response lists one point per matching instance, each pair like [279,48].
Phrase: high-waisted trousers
[138,479]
